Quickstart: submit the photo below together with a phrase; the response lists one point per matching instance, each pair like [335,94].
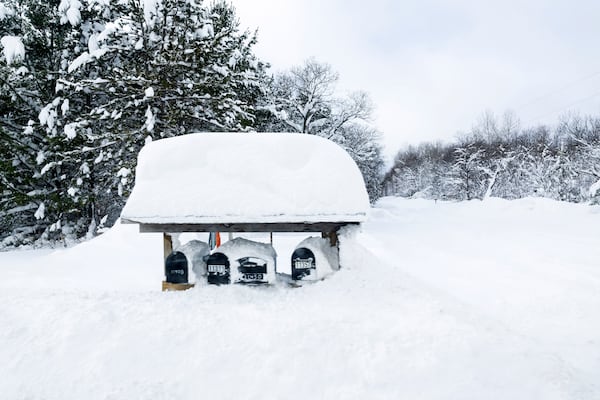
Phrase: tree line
[84,84]
[499,158]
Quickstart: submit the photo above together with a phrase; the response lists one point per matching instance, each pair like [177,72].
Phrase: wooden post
[332,236]
[333,241]
[167,245]
[166,286]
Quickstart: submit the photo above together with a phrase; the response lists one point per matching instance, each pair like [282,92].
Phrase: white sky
[432,67]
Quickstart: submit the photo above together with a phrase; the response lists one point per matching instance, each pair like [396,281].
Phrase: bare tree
[357,106]
[303,98]
[362,143]
[466,171]
[486,127]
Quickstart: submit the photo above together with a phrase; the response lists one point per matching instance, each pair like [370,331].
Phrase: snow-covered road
[477,300]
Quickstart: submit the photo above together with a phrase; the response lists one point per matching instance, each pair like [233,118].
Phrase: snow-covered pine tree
[119,74]
[14,146]
[178,68]
[36,37]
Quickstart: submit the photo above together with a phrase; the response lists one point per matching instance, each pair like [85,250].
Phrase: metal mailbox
[252,270]
[176,268]
[218,269]
[303,263]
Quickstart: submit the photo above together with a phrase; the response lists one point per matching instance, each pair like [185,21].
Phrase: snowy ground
[477,300]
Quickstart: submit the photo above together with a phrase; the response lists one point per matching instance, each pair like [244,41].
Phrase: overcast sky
[432,67]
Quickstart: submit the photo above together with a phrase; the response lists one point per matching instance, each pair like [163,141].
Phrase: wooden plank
[167,286]
[247,227]
[167,245]
[332,237]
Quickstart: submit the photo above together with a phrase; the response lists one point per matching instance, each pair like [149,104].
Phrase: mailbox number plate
[252,277]
[303,264]
[217,269]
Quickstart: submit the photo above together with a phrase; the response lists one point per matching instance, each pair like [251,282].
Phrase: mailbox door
[176,268]
[303,262]
[218,269]
[253,270]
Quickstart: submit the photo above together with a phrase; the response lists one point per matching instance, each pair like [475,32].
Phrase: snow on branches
[106,77]
[12,49]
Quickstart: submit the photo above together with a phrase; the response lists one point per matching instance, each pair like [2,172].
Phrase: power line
[559,90]
[563,108]
[552,93]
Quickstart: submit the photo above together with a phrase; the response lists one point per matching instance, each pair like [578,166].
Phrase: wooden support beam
[167,286]
[332,237]
[333,242]
[246,227]
[167,245]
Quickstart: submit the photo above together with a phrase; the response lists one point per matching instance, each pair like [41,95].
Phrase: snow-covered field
[473,300]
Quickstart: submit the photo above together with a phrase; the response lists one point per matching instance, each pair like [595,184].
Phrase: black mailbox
[176,268]
[253,270]
[303,262]
[218,271]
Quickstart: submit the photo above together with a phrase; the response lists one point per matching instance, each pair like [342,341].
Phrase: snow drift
[478,300]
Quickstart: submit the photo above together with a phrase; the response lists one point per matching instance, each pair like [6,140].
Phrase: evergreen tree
[99,80]
[176,69]
[41,32]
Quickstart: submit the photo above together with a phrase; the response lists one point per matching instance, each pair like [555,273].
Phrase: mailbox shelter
[245,182]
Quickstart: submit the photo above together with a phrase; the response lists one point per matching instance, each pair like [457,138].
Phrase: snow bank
[326,257]
[477,300]
[239,248]
[121,259]
[195,251]
[246,177]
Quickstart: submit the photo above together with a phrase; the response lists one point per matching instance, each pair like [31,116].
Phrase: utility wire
[559,90]
[552,93]
[563,108]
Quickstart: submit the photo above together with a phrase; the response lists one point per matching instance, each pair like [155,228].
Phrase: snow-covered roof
[235,178]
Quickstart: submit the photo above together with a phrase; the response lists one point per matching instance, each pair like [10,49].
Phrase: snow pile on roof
[246,177]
